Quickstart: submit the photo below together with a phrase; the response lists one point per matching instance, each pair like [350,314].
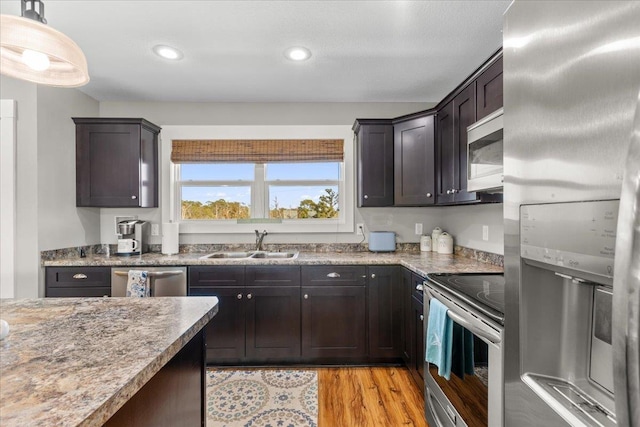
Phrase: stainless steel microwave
[484,154]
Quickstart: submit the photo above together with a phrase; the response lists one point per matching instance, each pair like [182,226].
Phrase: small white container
[445,243]
[425,244]
[434,238]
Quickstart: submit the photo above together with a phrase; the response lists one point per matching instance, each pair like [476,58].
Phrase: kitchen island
[96,361]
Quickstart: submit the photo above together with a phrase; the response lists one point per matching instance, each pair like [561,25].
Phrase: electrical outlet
[155,229]
[418,228]
[485,232]
[360,229]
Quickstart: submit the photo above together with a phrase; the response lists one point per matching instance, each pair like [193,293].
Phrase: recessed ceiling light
[297,53]
[167,52]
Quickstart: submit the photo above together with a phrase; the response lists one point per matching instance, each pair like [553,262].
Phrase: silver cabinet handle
[333,275]
[80,276]
[249,296]
[373,275]
[454,191]
[134,197]
[429,195]
[239,296]
[421,317]
[306,296]
[448,191]
[419,287]
[366,197]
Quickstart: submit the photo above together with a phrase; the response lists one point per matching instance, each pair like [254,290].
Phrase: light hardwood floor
[368,397]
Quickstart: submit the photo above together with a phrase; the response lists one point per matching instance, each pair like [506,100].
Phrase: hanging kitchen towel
[461,352]
[439,337]
[138,284]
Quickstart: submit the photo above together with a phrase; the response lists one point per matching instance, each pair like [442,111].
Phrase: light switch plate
[485,232]
[155,229]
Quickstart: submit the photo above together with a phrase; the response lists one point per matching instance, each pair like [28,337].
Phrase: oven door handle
[487,333]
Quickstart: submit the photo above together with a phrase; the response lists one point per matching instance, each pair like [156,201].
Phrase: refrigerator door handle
[626,290]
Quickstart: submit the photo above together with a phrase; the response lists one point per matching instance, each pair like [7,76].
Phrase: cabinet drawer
[216,276]
[74,277]
[95,291]
[276,275]
[335,275]
[416,288]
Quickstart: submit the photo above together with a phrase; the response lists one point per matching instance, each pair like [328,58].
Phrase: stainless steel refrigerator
[572,235]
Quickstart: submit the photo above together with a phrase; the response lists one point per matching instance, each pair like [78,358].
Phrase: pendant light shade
[33,51]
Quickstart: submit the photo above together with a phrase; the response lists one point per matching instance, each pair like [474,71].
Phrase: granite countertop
[76,361]
[419,262]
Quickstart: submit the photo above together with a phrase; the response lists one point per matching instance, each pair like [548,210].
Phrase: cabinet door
[273,323]
[385,309]
[490,90]
[445,155]
[464,116]
[333,322]
[108,165]
[375,165]
[225,333]
[414,175]
[417,369]
[407,319]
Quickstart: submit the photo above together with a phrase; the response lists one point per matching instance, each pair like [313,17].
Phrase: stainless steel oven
[474,394]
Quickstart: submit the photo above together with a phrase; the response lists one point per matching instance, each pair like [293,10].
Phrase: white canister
[445,243]
[425,243]
[434,238]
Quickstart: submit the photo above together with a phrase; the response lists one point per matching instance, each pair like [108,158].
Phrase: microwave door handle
[486,333]
[626,290]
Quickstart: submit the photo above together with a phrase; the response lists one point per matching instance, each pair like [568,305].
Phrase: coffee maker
[132,237]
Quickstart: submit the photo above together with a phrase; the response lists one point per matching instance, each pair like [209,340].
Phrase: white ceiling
[363,51]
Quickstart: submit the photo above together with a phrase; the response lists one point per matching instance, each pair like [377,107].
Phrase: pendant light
[30,50]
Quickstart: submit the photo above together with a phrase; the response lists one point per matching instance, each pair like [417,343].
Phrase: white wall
[61,224]
[45,208]
[464,222]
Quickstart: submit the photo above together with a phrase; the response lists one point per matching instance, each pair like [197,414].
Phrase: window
[233,189]
[277,191]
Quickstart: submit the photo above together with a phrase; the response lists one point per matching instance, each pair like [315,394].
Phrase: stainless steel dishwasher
[164,281]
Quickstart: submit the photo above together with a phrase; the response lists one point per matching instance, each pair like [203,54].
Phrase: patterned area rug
[262,398]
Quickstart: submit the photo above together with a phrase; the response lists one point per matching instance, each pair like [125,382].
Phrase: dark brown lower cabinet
[413,333]
[333,322]
[385,312]
[272,323]
[225,334]
[78,282]
[417,368]
[258,317]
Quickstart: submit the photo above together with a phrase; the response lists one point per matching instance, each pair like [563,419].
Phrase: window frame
[171,186]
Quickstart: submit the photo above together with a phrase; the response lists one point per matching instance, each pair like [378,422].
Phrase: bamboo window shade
[256,150]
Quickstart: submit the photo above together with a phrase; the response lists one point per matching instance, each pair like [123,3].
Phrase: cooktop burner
[484,291]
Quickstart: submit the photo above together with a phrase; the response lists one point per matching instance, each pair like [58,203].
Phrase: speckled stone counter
[76,361]
[419,262]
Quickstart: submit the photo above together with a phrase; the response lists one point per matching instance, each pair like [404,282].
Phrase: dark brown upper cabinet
[452,147]
[414,175]
[116,162]
[489,89]
[375,162]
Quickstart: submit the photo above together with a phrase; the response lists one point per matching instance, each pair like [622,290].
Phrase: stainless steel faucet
[259,239]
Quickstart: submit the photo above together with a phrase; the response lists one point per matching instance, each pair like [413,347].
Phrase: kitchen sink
[275,255]
[251,255]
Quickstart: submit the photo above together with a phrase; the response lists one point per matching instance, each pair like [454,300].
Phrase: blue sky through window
[288,196]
